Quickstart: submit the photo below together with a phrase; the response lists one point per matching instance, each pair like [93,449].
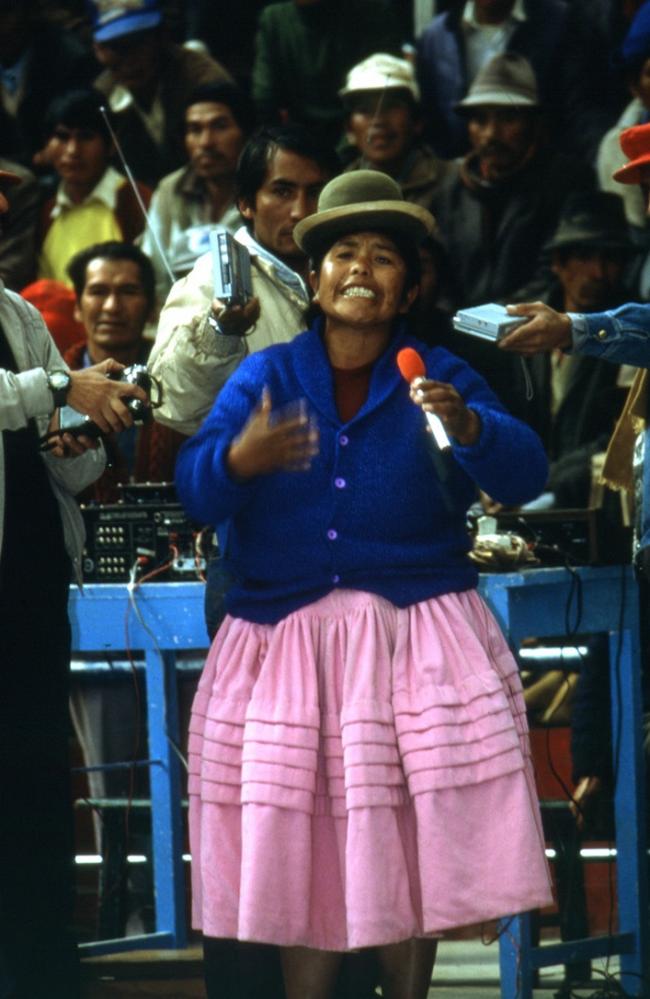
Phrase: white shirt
[484,41]
[105,192]
[283,272]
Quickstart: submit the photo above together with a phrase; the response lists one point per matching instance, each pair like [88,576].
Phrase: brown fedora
[592,219]
[362,199]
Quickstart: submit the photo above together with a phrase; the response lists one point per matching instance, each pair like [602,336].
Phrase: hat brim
[590,242]
[401,218]
[495,99]
[119,27]
[630,173]
[349,95]
[7,177]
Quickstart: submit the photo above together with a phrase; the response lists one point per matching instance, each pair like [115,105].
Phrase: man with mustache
[384,125]
[186,204]
[463,37]
[578,399]
[499,205]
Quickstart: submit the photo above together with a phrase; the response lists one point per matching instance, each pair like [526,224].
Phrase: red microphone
[412,368]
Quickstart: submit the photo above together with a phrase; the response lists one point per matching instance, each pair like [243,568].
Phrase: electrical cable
[132,590]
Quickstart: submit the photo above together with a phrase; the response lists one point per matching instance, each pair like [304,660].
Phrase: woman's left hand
[462,423]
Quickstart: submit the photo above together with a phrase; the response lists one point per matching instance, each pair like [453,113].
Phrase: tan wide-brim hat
[507,80]
[362,200]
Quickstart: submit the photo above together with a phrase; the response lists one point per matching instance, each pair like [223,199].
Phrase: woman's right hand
[287,444]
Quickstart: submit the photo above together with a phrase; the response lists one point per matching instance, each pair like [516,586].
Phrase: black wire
[611,988]
[575,592]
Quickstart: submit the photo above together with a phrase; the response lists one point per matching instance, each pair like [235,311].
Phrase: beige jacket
[192,361]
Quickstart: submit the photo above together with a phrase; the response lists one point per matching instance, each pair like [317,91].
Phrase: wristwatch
[59,382]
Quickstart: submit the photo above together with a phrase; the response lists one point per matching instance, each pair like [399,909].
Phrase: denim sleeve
[621,335]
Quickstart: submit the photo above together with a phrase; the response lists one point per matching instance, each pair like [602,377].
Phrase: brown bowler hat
[362,199]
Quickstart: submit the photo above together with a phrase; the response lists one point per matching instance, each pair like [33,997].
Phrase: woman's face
[361,281]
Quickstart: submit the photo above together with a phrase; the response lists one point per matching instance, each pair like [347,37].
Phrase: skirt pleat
[360,774]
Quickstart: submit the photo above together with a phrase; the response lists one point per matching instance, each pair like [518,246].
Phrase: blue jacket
[375,512]
[620,335]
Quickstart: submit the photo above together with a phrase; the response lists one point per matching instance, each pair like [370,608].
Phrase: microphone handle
[438,431]
[436,425]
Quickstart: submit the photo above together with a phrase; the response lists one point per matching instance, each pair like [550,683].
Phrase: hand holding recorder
[490,322]
[234,308]
[544,329]
[235,320]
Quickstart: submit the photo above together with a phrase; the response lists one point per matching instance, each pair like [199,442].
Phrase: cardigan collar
[314,371]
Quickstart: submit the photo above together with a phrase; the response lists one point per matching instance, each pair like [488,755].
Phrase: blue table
[161,619]
[549,603]
[164,618]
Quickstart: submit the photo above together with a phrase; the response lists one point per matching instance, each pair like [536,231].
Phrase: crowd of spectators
[501,117]
[495,114]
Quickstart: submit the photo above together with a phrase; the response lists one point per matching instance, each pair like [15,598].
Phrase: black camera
[75,423]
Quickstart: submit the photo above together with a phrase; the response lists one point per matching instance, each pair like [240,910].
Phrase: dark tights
[235,970]
[405,970]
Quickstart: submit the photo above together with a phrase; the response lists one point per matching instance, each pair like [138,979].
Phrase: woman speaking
[360,773]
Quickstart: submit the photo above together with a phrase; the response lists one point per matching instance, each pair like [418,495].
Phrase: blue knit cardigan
[375,512]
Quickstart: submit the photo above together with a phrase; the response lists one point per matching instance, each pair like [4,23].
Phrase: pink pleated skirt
[360,774]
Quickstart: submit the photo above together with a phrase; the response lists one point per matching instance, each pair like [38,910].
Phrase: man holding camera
[115,298]
[40,550]
[114,287]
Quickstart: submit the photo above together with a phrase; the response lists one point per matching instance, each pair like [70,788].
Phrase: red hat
[635,143]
